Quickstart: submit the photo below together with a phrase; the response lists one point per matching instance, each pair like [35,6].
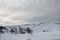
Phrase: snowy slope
[53,33]
[51,27]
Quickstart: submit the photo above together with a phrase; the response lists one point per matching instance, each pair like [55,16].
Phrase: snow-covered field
[34,36]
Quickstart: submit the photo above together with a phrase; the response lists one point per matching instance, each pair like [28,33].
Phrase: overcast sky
[27,11]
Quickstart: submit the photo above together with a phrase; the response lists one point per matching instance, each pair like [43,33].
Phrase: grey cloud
[30,10]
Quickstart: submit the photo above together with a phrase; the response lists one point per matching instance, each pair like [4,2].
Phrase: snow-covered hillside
[52,32]
[50,27]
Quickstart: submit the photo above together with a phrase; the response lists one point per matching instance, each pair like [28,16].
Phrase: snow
[34,36]
[53,33]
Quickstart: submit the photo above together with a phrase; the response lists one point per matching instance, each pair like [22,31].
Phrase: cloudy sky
[29,11]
